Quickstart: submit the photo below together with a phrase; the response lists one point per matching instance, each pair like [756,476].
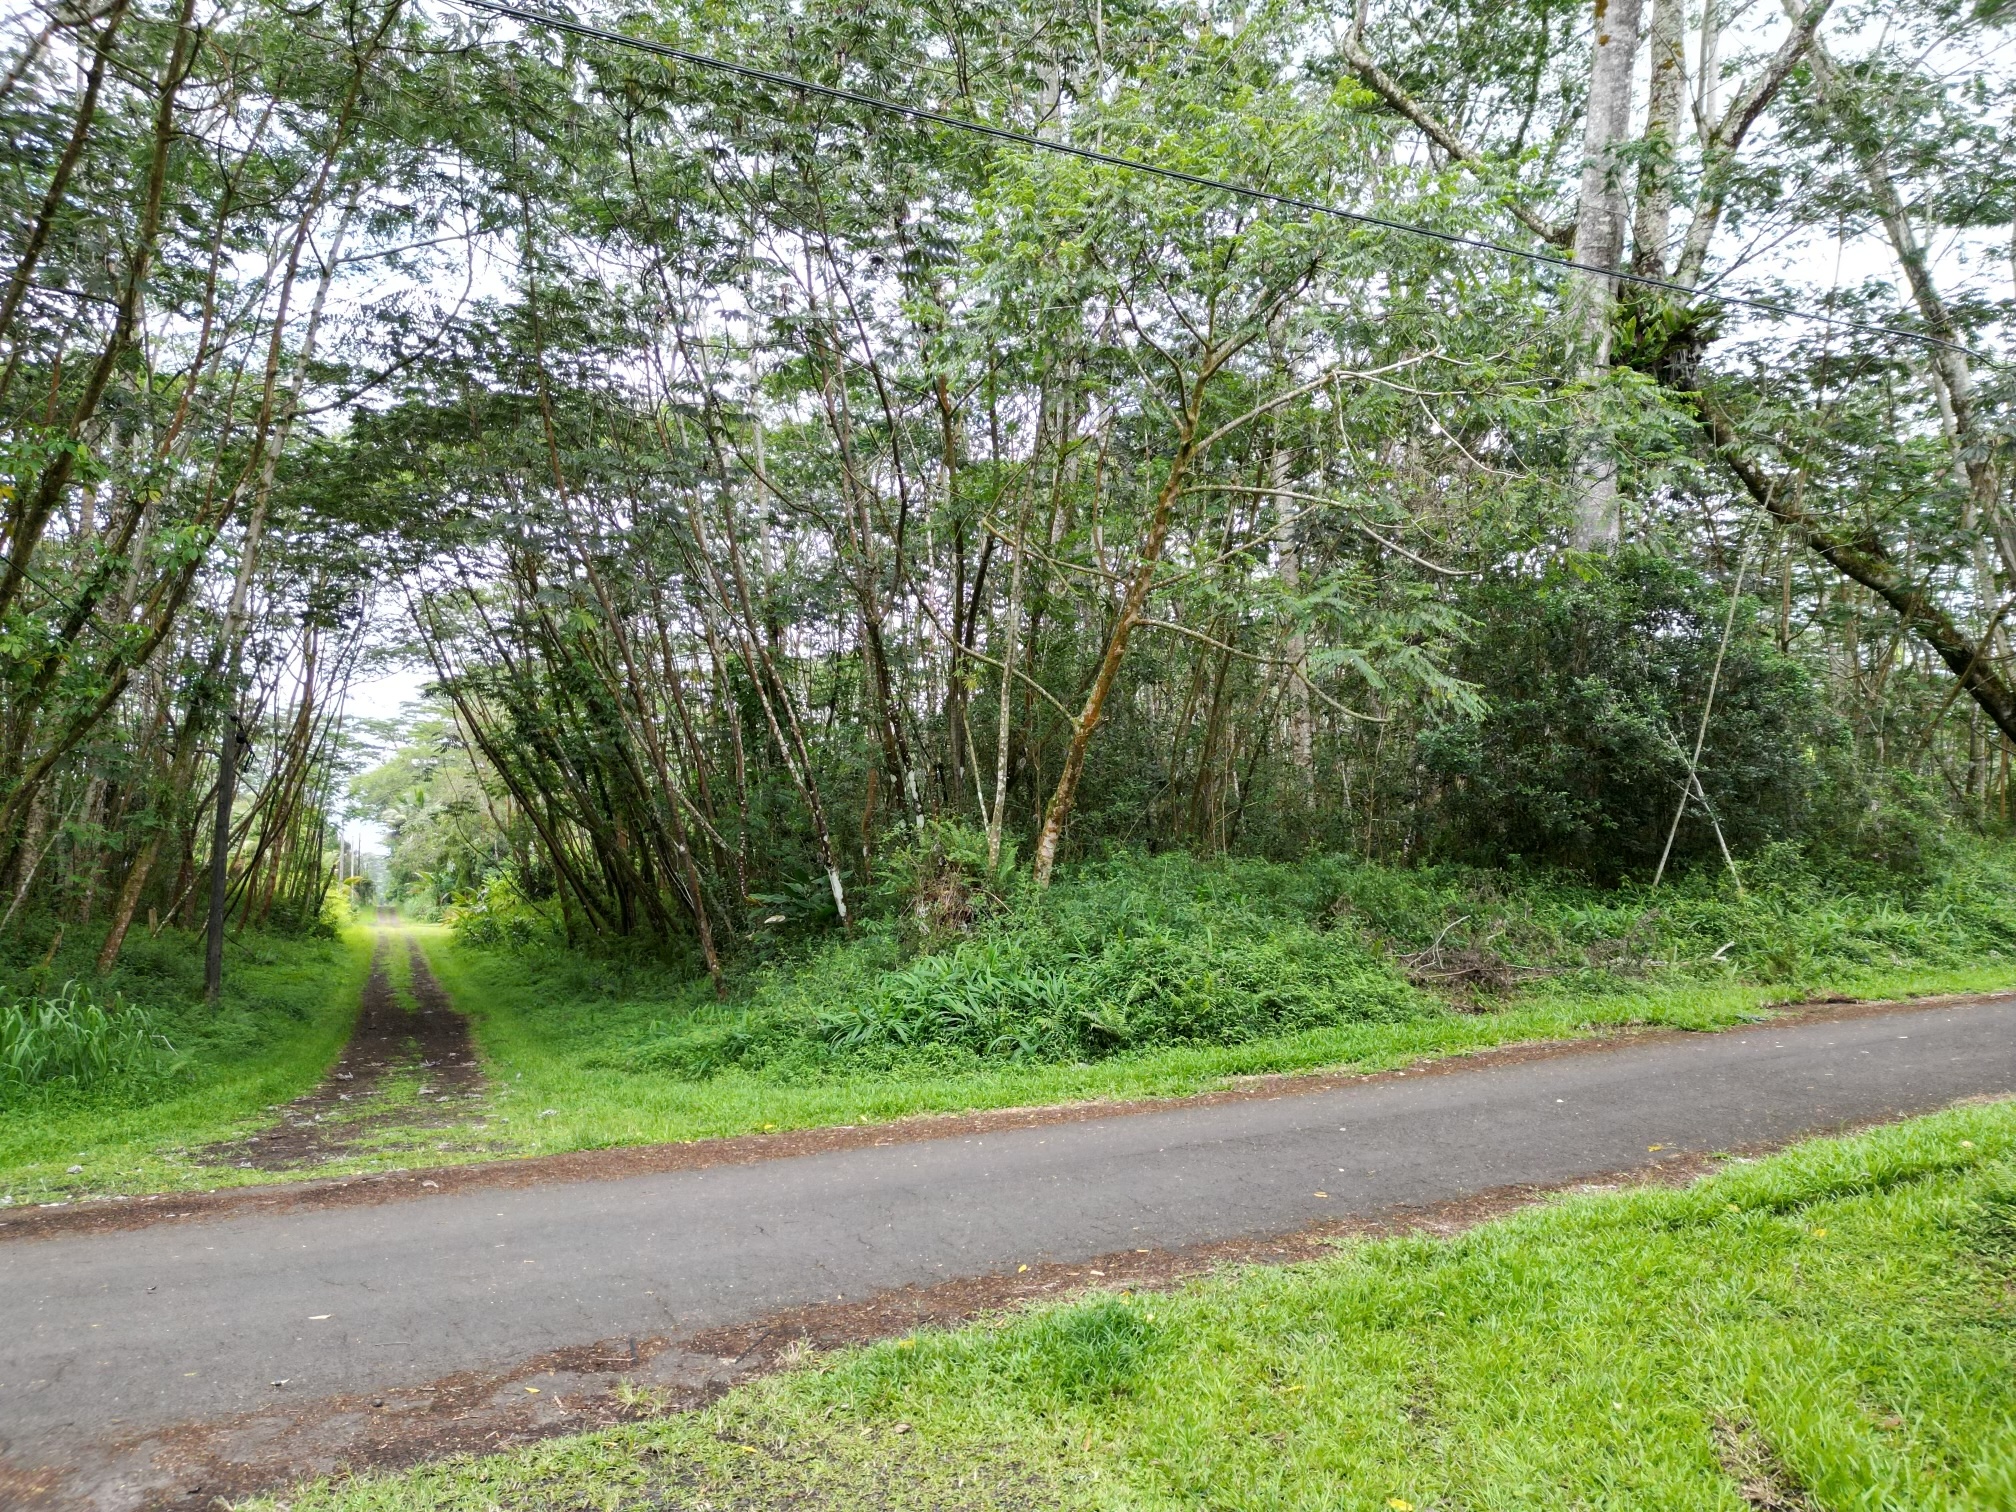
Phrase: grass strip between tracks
[1832,1327]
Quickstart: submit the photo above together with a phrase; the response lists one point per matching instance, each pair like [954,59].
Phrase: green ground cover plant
[1145,976]
[161,1071]
[1134,976]
[1829,1328]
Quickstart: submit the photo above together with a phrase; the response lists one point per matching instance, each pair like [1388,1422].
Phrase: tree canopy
[768,480]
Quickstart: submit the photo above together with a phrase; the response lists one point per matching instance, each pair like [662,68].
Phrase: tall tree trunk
[1132,605]
[28,854]
[59,185]
[1599,245]
[1301,714]
[234,740]
[763,673]
[1011,628]
[1652,220]
[128,902]
[27,521]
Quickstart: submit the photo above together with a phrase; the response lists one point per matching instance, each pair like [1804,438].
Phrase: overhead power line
[565,23]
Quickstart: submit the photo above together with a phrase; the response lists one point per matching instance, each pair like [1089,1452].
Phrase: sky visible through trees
[764,483]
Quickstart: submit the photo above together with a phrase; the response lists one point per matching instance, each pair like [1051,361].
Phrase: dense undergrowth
[1134,976]
[1135,954]
[142,1030]
[69,1040]
[1124,956]
[1827,1328]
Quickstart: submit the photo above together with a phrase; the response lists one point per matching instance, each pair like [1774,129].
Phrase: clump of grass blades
[1017,1000]
[69,1039]
[1131,956]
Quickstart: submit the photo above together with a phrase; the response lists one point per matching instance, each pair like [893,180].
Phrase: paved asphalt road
[108,1334]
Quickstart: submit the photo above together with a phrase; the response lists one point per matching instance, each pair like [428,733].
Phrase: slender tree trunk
[59,184]
[1011,627]
[128,903]
[1301,715]
[763,672]
[1132,605]
[1978,457]
[28,854]
[1652,221]
[234,740]
[25,528]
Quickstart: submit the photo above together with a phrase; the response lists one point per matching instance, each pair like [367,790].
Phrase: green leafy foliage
[70,1039]
[441,849]
[1126,955]
[1133,955]
[1798,922]
[1596,678]
[96,1047]
[1049,996]
[495,913]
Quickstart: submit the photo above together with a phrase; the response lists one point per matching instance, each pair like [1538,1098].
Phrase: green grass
[1837,1322]
[1245,967]
[1133,977]
[565,1071]
[69,1040]
[287,1008]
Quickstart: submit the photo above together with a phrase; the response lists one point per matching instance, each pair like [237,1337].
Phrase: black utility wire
[1137,165]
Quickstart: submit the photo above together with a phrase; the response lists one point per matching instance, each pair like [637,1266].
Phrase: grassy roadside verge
[288,1007]
[1136,977]
[1834,1327]
[1143,976]
[560,1088]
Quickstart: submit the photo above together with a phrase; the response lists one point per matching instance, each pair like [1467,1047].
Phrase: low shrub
[1133,954]
[283,995]
[1018,998]
[495,914]
[1130,954]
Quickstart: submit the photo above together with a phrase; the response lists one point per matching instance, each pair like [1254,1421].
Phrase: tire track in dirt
[353,1110]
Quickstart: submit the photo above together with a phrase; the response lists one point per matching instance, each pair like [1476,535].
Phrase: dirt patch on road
[110,1214]
[391,1041]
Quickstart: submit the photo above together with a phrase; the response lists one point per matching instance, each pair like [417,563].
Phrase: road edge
[106,1215]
